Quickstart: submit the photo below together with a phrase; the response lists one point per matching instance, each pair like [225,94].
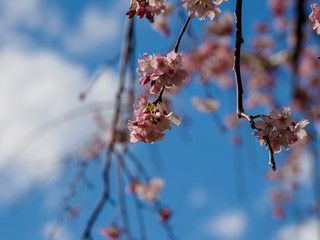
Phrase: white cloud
[229,225]
[34,88]
[35,15]
[198,197]
[96,28]
[308,229]
[61,234]
[16,12]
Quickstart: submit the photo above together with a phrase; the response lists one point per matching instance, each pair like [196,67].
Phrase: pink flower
[150,121]
[265,125]
[213,61]
[281,119]
[278,7]
[202,8]
[148,191]
[161,22]
[161,71]
[315,17]
[161,25]
[298,129]
[280,129]
[207,105]
[143,8]
[221,26]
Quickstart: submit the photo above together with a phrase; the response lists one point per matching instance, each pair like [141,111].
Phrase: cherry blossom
[151,121]
[278,7]
[315,17]
[221,26]
[280,129]
[143,8]
[146,191]
[161,22]
[213,61]
[207,105]
[161,71]
[202,8]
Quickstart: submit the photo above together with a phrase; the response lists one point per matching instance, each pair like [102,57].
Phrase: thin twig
[97,75]
[127,48]
[236,68]
[67,199]
[121,187]
[176,47]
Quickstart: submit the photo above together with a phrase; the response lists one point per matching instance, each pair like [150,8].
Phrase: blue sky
[49,50]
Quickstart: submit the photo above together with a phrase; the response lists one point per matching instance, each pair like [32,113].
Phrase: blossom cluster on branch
[143,8]
[151,121]
[161,71]
[280,129]
[146,191]
[202,8]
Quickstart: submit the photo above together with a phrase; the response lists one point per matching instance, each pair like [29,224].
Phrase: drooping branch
[239,89]
[237,53]
[127,48]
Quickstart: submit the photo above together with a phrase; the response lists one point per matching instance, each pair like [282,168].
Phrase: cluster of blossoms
[202,8]
[278,7]
[149,8]
[207,105]
[150,121]
[315,17]
[146,191]
[222,26]
[280,129]
[161,71]
[161,22]
[213,61]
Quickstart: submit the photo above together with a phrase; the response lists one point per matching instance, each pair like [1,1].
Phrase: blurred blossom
[207,105]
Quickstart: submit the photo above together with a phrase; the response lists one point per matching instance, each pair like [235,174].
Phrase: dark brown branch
[159,97]
[127,48]
[237,51]
[298,33]
[176,47]
[236,69]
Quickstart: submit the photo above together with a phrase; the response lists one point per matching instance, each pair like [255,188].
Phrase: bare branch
[236,68]
[176,47]
[127,48]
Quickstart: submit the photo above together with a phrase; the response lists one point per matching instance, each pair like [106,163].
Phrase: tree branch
[236,69]
[127,48]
